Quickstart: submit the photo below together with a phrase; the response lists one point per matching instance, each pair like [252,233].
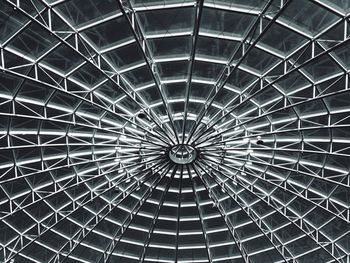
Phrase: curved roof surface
[174,131]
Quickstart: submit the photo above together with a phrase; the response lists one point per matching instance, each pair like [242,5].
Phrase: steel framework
[94,95]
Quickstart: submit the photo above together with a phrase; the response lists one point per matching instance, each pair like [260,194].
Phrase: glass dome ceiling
[174,131]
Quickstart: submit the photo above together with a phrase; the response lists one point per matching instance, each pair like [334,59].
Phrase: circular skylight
[174,131]
[182,154]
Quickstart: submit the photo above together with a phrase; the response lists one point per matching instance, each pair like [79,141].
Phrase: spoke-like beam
[156,216]
[248,98]
[178,216]
[247,41]
[200,215]
[91,61]
[281,184]
[123,194]
[229,225]
[110,132]
[257,221]
[136,29]
[108,252]
[307,232]
[81,100]
[96,221]
[266,114]
[195,36]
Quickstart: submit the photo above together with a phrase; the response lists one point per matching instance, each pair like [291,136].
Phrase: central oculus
[182,154]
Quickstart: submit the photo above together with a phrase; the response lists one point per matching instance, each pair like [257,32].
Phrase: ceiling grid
[174,131]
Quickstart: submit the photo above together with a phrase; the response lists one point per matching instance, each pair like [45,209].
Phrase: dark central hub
[182,154]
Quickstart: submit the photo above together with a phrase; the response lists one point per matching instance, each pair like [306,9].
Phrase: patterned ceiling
[174,131]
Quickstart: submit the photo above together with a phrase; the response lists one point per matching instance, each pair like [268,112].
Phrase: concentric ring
[174,131]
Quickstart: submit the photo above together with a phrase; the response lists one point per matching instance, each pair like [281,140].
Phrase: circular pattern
[182,154]
[174,131]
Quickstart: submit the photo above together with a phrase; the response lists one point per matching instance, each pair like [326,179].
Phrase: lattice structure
[95,94]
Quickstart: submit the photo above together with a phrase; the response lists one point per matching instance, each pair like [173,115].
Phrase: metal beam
[195,36]
[136,29]
[94,65]
[223,78]
[66,215]
[248,98]
[292,220]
